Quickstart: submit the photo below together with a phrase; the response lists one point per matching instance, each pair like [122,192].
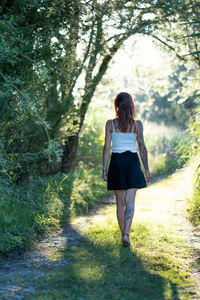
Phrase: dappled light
[62,65]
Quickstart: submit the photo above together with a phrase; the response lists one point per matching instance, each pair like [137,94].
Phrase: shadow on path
[70,266]
[67,265]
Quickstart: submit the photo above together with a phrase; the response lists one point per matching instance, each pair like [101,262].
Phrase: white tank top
[123,141]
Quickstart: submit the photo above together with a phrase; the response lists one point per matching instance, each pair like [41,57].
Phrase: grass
[42,204]
[157,266]
[101,269]
[163,145]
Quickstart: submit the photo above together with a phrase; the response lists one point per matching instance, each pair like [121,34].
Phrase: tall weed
[164,144]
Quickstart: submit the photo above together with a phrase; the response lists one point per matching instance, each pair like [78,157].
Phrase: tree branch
[169,46]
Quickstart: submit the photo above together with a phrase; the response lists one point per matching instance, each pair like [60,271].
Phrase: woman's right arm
[106,149]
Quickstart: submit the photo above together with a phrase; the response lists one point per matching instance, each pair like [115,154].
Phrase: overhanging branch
[168,46]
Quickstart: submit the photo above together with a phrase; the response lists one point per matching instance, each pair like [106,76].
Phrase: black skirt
[125,172]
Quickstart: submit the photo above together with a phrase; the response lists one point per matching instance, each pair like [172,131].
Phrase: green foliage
[173,108]
[163,144]
[193,143]
[187,48]
[27,211]
[40,204]
[88,189]
[21,116]
[192,37]
[91,140]
[45,53]
[194,134]
[192,29]
[47,48]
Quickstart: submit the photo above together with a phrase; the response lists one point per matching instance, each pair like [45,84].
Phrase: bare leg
[129,211]
[120,208]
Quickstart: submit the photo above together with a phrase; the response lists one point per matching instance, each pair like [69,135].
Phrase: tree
[58,53]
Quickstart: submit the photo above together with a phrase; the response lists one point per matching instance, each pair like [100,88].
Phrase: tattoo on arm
[142,148]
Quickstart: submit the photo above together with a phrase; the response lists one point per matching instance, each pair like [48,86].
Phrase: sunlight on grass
[153,235]
[156,266]
[159,202]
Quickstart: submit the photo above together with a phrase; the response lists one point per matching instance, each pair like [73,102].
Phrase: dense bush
[26,211]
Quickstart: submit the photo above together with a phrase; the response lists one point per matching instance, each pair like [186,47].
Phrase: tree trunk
[70,148]
[71,143]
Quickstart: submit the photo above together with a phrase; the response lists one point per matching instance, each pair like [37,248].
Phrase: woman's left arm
[143,150]
[106,150]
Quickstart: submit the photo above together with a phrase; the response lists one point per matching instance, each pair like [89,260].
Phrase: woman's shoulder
[138,122]
[138,125]
[109,122]
[109,125]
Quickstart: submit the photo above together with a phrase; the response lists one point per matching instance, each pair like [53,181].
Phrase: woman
[124,175]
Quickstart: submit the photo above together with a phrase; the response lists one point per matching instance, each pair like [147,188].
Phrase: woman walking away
[124,175]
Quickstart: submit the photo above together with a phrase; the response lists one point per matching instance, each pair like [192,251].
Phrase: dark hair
[125,110]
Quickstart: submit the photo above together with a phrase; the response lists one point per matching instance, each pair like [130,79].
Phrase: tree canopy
[53,56]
